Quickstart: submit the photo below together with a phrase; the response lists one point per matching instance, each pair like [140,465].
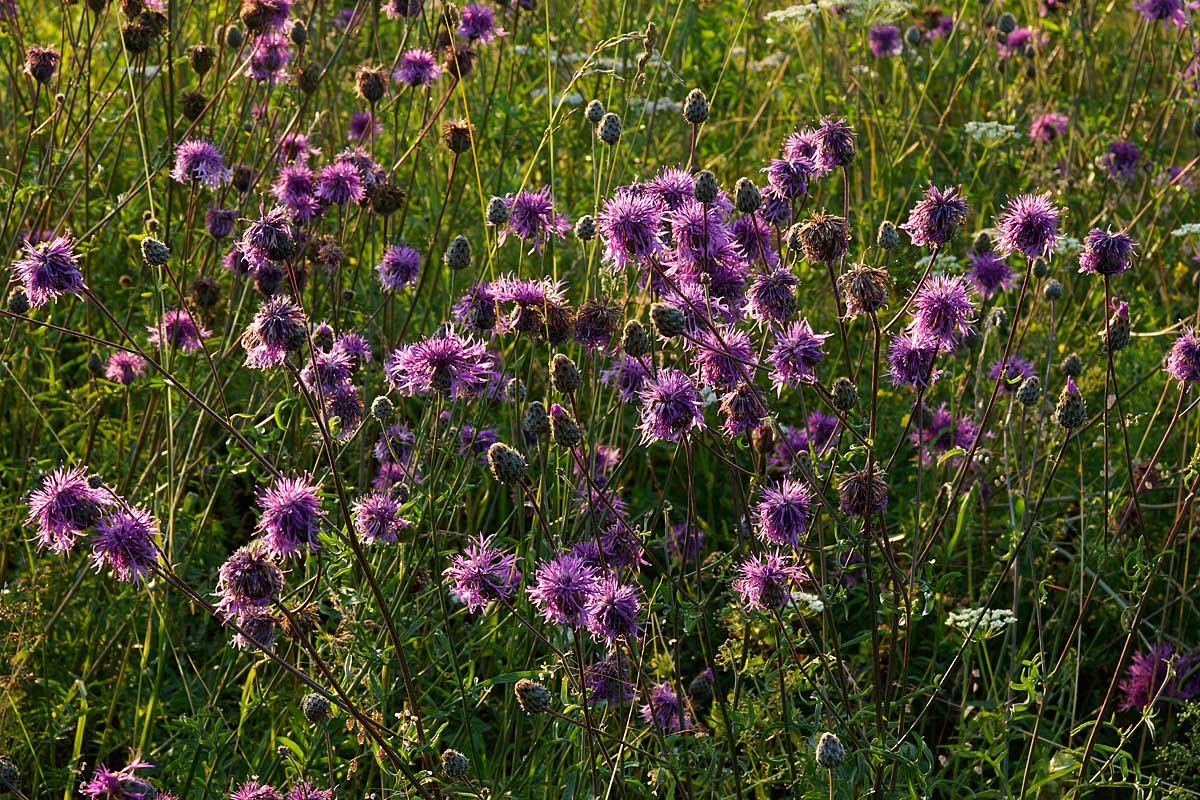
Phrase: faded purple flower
[936,218]
[671,406]
[483,573]
[563,587]
[1029,224]
[49,269]
[291,516]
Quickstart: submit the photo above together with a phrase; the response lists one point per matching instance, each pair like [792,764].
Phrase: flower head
[398,267]
[671,406]
[377,518]
[478,23]
[1122,160]
[1048,127]
[628,225]
[910,359]
[123,784]
[198,161]
[936,217]
[449,364]
[1105,252]
[483,573]
[64,506]
[179,329]
[783,512]
[795,355]
[340,183]
[766,581]
[990,273]
[48,269]
[124,367]
[612,611]
[279,327]
[417,68]
[248,579]
[664,710]
[943,311]
[1183,362]
[1029,225]
[563,588]
[532,218]
[1168,12]
[291,516]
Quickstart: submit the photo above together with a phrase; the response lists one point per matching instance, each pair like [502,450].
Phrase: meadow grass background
[99,671]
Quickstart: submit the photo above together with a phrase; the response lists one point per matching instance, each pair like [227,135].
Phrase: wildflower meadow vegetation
[614,398]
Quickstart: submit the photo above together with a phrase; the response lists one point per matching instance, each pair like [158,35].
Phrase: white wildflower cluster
[1067,246]
[984,622]
[989,132]
[799,14]
[811,601]
[1190,229]
[868,11]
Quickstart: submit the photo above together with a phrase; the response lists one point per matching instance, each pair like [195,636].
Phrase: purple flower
[306,791]
[483,573]
[1146,680]
[368,169]
[910,359]
[363,125]
[448,364]
[178,329]
[610,680]
[723,355]
[1168,12]
[801,144]
[1016,371]
[269,238]
[1029,224]
[478,22]
[790,178]
[219,222]
[1183,362]
[268,57]
[296,189]
[291,516]
[754,236]
[885,41]
[398,267]
[776,209]
[784,510]
[49,269]
[1122,160]
[279,327]
[627,375]
[1048,127]
[531,218]
[417,68]
[664,710]
[253,790]
[377,518]
[773,295]
[835,144]
[936,217]
[198,161]
[671,406]
[1105,252]
[1016,41]
[401,9]
[295,147]
[940,432]
[990,273]
[612,612]
[943,311]
[124,784]
[698,232]
[795,355]
[124,542]
[765,581]
[340,183]
[628,224]
[64,506]
[327,370]
[563,587]
[672,186]
[354,346]
[249,579]
[123,367]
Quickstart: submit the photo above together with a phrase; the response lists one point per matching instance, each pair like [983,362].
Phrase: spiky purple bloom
[1029,224]
[248,579]
[939,432]
[835,144]
[943,311]
[773,295]
[123,784]
[398,267]
[219,222]
[627,375]
[64,506]
[269,57]
[253,790]
[1168,12]
[296,189]
[817,434]
[291,516]
[417,68]
[457,366]
[198,161]
[628,224]
[124,367]
[910,359]
[1106,253]
[766,581]
[612,612]
[664,710]
[671,406]
[723,356]
[790,178]
[483,573]
[401,9]
[776,209]
[178,328]
[478,23]
[936,217]
[563,587]
[368,168]
[354,346]
[610,680]
[48,269]
[795,355]
[532,218]
[306,791]
[1146,679]
[340,183]
[699,232]
[1016,370]
[1122,160]
[271,237]
[1183,362]
[124,542]
[744,410]
[395,443]
[363,125]
[1048,127]
[295,147]
[784,511]
[279,327]
[672,186]
[327,371]
[475,310]
[1016,41]
[377,518]
[885,41]
[990,273]
[756,239]
[800,144]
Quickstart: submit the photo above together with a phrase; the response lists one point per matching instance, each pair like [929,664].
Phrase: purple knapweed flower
[295,147]
[1048,127]
[772,295]
[123,784]
[672,186]
[627,375]
[478,23]
[377,518]
[943,312]
[885,41]
[612,612]
[910,359]
[795,355]
[1028,224]
[766,581]
[664,710]
[219,222]
[269,57]
[1122,160]
[1016,370]
[124,367]
[671,406]
[178,329]
[1183,362]
[363,125]
[835,144]
[790,178]
[449,364]
[990,273]
[610,680]
[532,218]
[291,516]
[248,579]
[744,410]
[936,217]
[1106,253]
[417,67]
[64,506]
[628,225]
[340,184]
[563,587]
[253,790]
[724,356]
[1168,12]
[124,542]
[1146,678]
[784,511]
[279,327]
[398,267]
[306,791]
[49,269]
[483,573]
[198,161]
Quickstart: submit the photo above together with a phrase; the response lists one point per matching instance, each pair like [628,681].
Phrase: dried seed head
[309,78]
[863,492]
[242,178]
[865,288]
[507,465]
[564,375]
[594,111]
[533,697]
[608,129]
[830,752]
[9,774]
[746,196]
[457,134]
[983,243]
[193,104]
[695,107]
[454,764]
[371,83]
[316,708]
[18,301]
[634,339]
[458,254]
[201,57]
[823,238]
[205,292]
[1053,290]
[385,198]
